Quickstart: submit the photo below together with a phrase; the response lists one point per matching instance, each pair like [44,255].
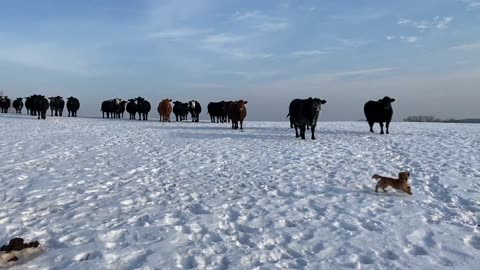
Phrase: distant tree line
[422,118]
[431,118]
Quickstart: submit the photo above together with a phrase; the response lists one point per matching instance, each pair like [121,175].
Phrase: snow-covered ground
[120,194]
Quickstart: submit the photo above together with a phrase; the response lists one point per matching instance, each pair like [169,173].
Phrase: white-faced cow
[195,109]
[303,113]
[4,104]
[378,112]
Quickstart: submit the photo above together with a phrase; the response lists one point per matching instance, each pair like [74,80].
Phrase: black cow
[143,108]
[111,108]
[132,108]
[217,111]
[120,109]
[305,112]
[180,110]
[28,105]
[40,106]
[73,104]
[378,112]
[57,104]
[195,109]
[108,107]
[4,104]
[18,105]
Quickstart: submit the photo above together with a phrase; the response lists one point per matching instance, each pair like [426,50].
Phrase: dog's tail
[376,176]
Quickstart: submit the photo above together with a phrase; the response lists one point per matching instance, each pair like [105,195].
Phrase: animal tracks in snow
[144,195]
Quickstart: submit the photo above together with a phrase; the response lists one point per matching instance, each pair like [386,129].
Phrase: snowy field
[120,194]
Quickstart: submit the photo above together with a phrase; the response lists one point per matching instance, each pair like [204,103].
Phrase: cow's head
[241,103]
[192,104]
[315,104]
[387,100]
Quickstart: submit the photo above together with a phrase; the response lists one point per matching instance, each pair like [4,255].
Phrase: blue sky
[424,53]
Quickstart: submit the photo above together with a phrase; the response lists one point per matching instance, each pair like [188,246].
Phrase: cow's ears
[245,102]
[392,100]
[323,101]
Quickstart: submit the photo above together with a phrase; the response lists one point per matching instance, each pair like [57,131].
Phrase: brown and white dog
[401,183]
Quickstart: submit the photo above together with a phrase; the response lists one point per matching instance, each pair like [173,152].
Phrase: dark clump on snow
[17,244]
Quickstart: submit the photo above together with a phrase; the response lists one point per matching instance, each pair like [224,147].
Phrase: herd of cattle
[38,105]
[303,113]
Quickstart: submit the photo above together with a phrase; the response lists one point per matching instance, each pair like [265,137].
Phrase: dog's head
[404,176]
[406,188]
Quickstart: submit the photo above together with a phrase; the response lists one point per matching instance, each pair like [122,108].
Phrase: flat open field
[120,194]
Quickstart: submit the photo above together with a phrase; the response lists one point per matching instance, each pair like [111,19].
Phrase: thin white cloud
[249,75]
[237,53]
[307,53]
[352,43]
[179,33]
[358,72]
[45,57]
[227,44]
[223,38]
[471,4]
[466,47]
[207,86]
[261,21]
[409,39]
[439,23]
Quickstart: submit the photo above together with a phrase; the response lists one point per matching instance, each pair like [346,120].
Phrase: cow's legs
[241,124]
[296,131]
[313,131]
[370,123]
[302,131]
[387,125]
[381,128]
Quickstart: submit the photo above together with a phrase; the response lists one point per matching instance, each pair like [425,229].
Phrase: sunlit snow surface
[120,194]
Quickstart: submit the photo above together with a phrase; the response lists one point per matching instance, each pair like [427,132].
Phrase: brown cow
[237,112]
[165,109]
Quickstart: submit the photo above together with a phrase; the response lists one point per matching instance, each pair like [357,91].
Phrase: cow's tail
[288,115]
